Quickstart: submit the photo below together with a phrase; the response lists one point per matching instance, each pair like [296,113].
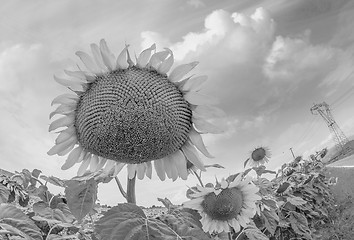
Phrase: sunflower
[232,204]
[130,114]
[259,156]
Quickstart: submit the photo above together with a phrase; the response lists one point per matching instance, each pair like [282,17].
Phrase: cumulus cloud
[290,58]
[236,32]
[264,81]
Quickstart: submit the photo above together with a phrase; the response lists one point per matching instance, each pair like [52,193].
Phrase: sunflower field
[295,204]
[120,113]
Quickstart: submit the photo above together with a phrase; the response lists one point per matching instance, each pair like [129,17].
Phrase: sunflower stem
[198,177]
[229,235]
[240,234]
[131,190]
[120,187]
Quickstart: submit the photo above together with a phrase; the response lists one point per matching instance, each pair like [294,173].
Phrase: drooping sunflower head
[126,113]
[259,156]
[232,204]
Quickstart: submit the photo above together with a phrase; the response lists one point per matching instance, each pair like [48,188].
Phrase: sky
[268,63]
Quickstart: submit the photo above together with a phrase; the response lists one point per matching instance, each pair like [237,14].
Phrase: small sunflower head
[228,204]
[259,156]
[126,113]
[225,205]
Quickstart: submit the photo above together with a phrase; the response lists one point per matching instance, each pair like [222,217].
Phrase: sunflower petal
[66,151]
[207,111]
[205,127]
[159,168]
[98,57]
[62,122]
[62,137]
[122,60]
[88,62]
[109,165]
[94,163]
[180,163]
[63,110]
[148,169]
[144,56]
[107,56]
[192,155]
[118,167]
[83,167]
[194,84]
[166,65]
[76,74]
[68,83]
[72,158]
[157,58]
[180,71]
[173,169]
[131,170]
[168,167]
[101,163]
[57,148]
[197,98]
[197,141]
[140,169]
[66,98]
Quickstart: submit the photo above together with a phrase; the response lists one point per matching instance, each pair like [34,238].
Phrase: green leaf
[167,203]
[81,197]
[27,177]
[271,220]
[69,217]
[14,220]
[23,201]
[42,209]
[245,163]
[127,221]
[12,197]
[35,174]
[283,187]
[253,233]
[4,194]
[299,224]
[296,201]
[214,166]
[191,191]
[270,203]
[53,180]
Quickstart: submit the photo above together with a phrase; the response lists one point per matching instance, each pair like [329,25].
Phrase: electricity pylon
[338,136]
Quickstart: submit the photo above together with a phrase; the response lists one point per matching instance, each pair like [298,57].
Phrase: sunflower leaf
[245,163]
[185,224]
[81,197]
[271,220]
[299,224]
[296,201]
[53,180]
[128,221]
[13,220]
[253,233]
[4,194]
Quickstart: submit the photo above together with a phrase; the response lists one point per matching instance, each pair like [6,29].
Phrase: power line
[308,131]
[344,97]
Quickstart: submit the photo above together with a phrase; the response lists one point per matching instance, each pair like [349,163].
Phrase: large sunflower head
[231,204]
[259,156]
[125,113]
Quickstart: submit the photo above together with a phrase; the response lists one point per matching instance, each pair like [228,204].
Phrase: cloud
[15,63]
[290,58]
[236,32]
[196,3]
